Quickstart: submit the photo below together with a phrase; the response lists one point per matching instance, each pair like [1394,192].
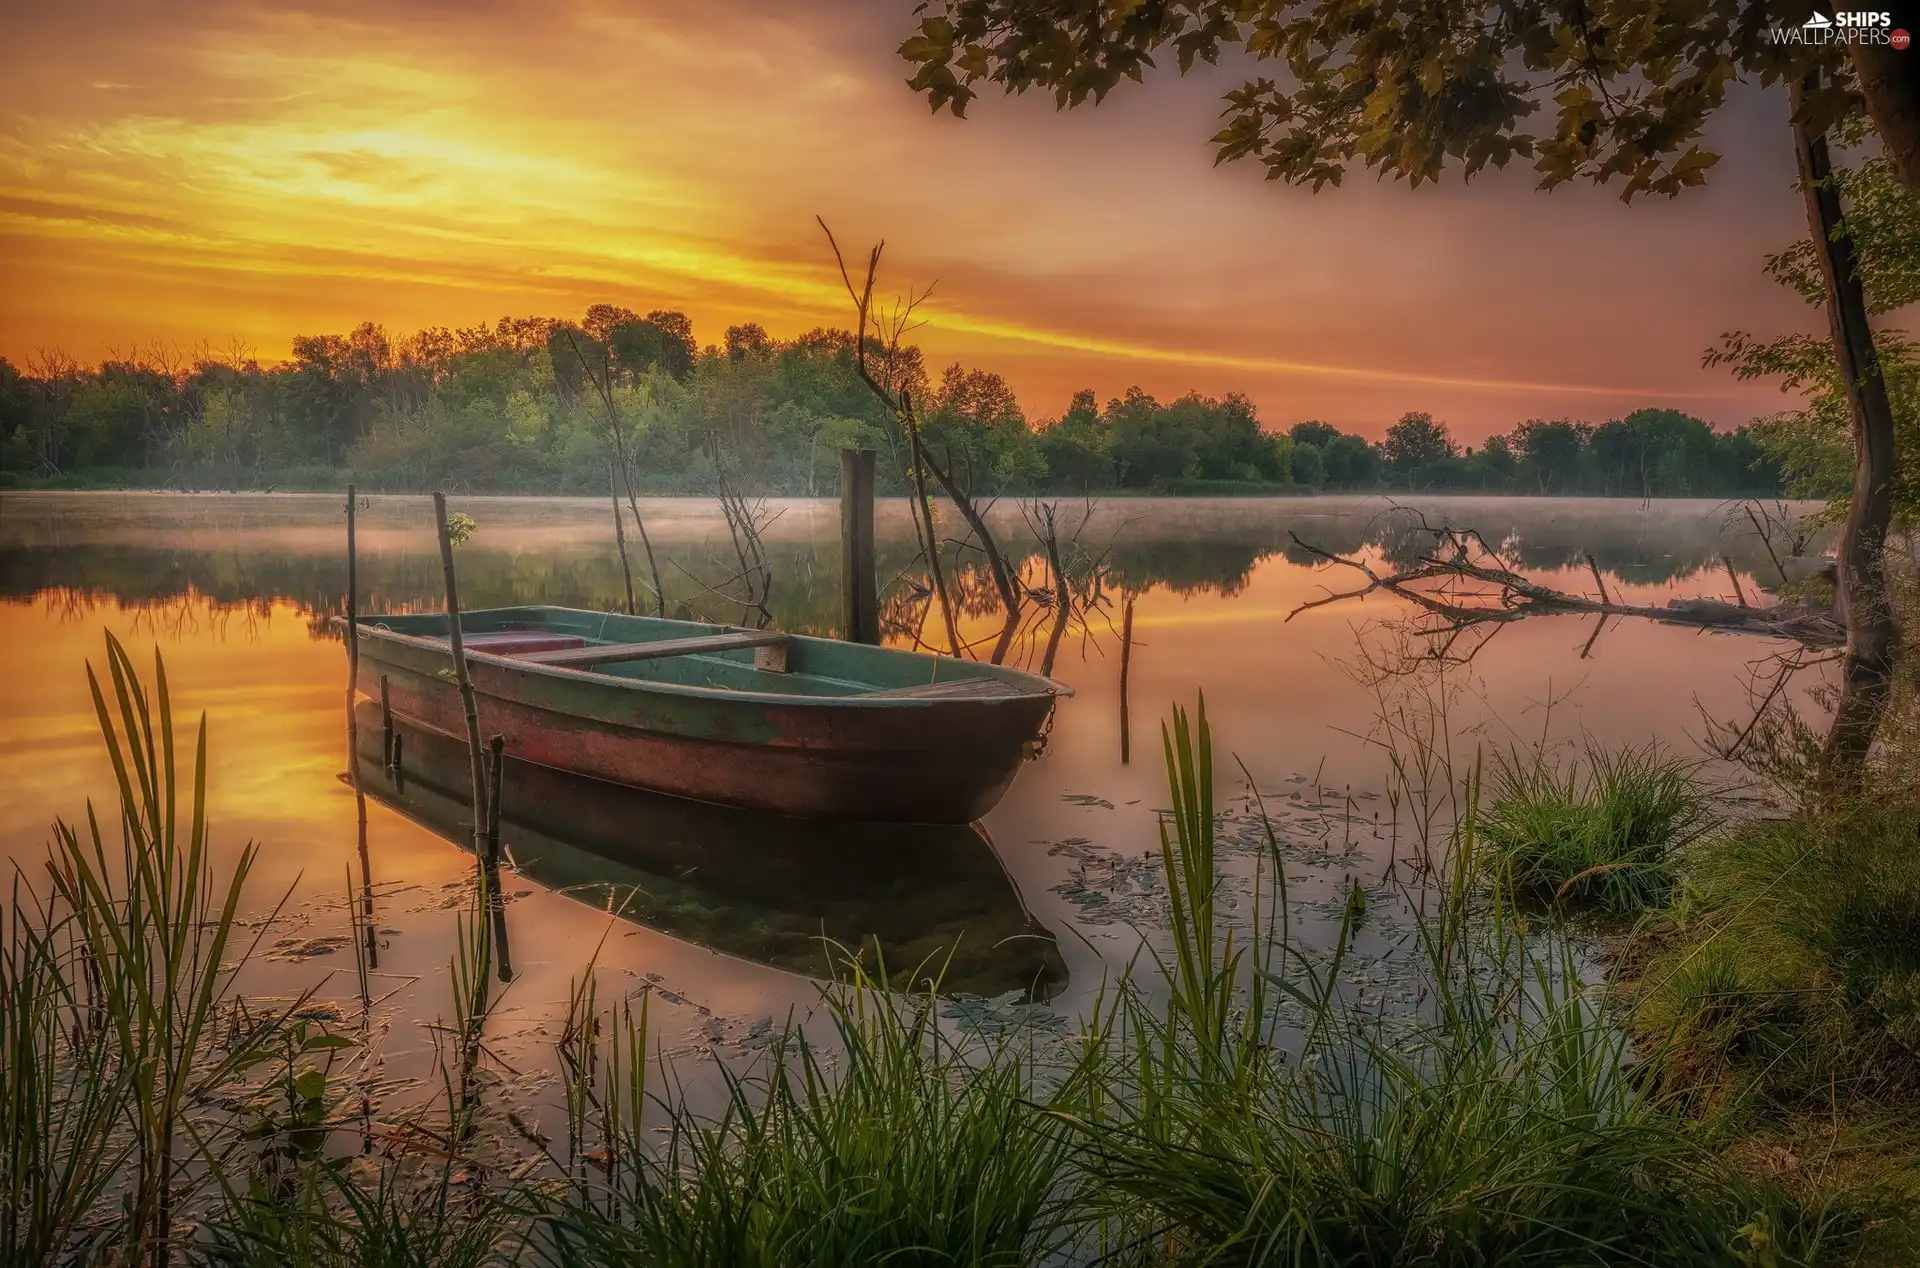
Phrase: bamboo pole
[353,725]
[475,763]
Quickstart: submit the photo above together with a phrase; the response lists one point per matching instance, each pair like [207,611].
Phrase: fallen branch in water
[1463,582]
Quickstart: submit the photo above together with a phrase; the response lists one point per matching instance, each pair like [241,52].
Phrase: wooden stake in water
[496,749]
[386,729]
[1126,658]
[496,900]
[353,617]
[859,604]
[476,769]
[353,725]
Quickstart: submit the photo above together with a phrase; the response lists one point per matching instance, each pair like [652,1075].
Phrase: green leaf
[326,1043]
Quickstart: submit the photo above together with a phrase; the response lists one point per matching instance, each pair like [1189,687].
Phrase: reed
[120,983]
[61,1090]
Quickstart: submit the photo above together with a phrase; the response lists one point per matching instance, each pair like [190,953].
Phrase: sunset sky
[204,170]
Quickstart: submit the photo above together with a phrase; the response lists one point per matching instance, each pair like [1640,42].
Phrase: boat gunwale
[1052,687]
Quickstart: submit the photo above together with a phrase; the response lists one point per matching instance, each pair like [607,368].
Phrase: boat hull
[812,756]
[795,894]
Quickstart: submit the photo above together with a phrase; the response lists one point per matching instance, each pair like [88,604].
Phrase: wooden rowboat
[796,894]
[808,727]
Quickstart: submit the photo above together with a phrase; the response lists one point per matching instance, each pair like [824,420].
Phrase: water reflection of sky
[234,591]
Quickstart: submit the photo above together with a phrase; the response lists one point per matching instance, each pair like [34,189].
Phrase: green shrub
[1604,832]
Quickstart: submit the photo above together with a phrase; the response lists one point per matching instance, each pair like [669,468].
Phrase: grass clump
[1605,832]
[1779,1001]
[1513,1129]
[1792,971]
[920,1148]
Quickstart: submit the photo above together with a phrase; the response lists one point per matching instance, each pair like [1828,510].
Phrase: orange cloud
[216,172]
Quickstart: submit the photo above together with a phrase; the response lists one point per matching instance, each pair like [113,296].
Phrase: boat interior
[688,653]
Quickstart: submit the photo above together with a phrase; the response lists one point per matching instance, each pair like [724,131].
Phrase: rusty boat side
[840,730]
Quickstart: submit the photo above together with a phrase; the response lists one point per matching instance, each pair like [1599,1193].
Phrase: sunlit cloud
[217,172]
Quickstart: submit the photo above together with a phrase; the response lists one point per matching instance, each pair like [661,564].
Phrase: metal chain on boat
[1037,746]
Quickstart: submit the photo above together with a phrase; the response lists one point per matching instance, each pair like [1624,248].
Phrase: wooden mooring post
[859,599]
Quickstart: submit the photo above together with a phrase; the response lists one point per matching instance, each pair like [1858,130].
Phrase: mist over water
[235,592]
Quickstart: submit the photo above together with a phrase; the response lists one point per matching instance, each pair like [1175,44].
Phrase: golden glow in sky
[212,172]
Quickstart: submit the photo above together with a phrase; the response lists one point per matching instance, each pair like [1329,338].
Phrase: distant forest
[531,404]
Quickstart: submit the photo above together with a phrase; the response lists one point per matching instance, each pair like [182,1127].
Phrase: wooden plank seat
[520,642]
[703,645]
[955,689]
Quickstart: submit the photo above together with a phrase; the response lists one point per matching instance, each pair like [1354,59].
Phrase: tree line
[518,406]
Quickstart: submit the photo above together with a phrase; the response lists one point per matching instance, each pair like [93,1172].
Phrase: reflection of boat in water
[754,718]
[757,886]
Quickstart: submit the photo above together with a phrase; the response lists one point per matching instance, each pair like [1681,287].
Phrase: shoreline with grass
[1228,1102]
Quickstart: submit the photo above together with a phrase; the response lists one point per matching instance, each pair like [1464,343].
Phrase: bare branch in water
[1461,581]
[888,329]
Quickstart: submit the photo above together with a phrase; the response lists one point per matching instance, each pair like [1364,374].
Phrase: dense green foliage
[518,407]
[1649,453]
[1601,90]
[1814,443]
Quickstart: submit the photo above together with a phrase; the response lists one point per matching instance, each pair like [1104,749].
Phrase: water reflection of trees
[1111,555]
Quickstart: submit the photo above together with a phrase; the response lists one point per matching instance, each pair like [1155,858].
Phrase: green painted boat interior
[815,666]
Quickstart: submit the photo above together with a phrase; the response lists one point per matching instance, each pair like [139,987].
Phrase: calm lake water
[726,911]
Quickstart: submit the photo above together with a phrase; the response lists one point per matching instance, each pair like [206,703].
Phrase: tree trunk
[620,533]
[1002,577]
[1872,638]
[1890,82]
[917,454]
